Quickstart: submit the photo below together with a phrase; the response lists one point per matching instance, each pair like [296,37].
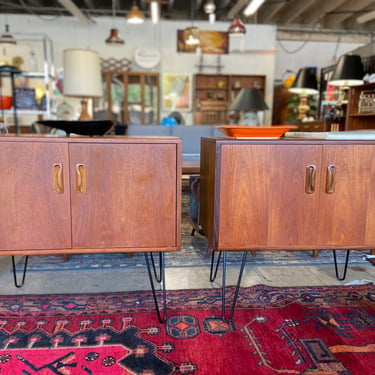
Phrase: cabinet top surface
[83,139]
[286,141]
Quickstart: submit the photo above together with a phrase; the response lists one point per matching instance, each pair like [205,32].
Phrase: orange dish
[236,131]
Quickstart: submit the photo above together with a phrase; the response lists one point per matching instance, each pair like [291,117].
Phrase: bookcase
[213,94]
[360,112]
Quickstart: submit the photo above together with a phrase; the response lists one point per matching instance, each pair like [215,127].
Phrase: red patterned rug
[309,331]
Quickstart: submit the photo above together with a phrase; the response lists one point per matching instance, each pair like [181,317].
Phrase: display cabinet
[360,113]
[213,94]
[131,97]
[34,84]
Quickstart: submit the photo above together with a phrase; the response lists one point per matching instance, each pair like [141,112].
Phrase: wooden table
[287,194]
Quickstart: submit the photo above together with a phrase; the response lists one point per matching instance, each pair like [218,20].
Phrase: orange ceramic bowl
[275,131]
[6,102]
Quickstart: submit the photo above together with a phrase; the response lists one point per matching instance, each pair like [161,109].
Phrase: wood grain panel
[347,216]
[33,214]
[131,198]
[262,196]
[207,190]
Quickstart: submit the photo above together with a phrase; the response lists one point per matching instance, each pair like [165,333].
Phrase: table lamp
[304,85]
[82,77]
[249,101]
[348,72]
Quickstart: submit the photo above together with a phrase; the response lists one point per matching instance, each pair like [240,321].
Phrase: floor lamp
[82,77]
[304,85]
[249,102]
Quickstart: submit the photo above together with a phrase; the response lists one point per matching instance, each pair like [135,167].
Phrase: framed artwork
[177,91]
[212,42]
[25,98]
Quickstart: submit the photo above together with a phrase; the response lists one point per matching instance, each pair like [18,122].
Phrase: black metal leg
[237,286]
[15,273]
[162,277]
[345,267]
[158,278]
[213,277]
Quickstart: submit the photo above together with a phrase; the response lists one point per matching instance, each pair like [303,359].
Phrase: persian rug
[307,331]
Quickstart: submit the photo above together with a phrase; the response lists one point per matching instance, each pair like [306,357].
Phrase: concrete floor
[176,278]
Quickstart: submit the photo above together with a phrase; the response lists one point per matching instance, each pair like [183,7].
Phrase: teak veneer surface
[253,194]
[131,200]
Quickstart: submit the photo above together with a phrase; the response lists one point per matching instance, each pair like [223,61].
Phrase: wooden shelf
[219,90]
[355,120]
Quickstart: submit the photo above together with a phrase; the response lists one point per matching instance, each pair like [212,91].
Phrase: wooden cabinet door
[124,195]
[34,195]
[347,209]
[262,196]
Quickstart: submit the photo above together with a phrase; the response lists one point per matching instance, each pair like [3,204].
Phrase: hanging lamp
[237,28]
[191,33]
[114,38]
[7,37]
[209,7]
[135,16]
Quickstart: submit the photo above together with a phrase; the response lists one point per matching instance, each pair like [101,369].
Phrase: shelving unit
[213,94]
[43,78]
[356,120]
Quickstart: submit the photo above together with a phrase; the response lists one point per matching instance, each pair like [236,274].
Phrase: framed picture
[176,88]
[25,98]
[212,42]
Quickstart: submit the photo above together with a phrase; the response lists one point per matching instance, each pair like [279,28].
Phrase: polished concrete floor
[176,278]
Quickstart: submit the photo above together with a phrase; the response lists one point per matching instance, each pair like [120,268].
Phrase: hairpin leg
[237,286]
[345,266]
[213,276]
[162,278]
[15,273]
[158,278]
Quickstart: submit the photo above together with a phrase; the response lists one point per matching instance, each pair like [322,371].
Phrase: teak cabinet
[287,194]
[66,195]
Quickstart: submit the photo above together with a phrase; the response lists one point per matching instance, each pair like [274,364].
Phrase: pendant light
[209,7]
[191,33]
[237,28]
[7,37]
[135,16]
[114,38]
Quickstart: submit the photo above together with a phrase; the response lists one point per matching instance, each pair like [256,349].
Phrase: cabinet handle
[81,185]
[58,178]
[331,179]
[310,179]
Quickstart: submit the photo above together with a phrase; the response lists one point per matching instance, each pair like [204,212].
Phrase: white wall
[294,55]
[252,54]
[258,52]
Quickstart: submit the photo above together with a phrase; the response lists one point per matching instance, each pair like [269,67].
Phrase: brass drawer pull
[58,178]
[331,179]
[81,185]
[310,179]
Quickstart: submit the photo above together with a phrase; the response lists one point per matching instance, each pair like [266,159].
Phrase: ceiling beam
[75,11]
[291,11]
[336,18]
[269,10]
[319,9]
[236,8]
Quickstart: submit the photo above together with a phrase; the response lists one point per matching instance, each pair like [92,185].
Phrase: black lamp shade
[248,99]
[305,82]
[349,71]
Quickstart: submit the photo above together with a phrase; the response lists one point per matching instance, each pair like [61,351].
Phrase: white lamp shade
[82,74]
